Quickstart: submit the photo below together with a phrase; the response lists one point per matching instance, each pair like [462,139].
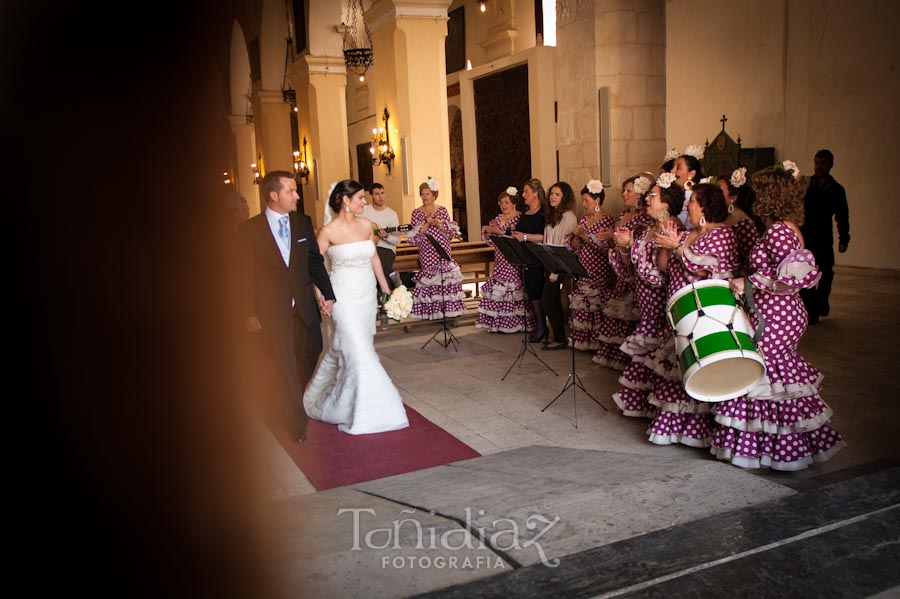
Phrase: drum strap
[751,306]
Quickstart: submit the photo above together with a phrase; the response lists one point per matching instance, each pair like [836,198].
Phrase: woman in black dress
[531,228]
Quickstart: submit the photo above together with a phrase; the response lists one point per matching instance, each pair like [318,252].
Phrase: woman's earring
[702,222]
[597,208]
[730,208]
[346,207]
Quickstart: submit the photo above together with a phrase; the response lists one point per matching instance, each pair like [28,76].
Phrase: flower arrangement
[594,186]
[432,184]
[512,191]
[739,176]
[695,151]
[789,165]
[641,185]
[398,304]
[666,179]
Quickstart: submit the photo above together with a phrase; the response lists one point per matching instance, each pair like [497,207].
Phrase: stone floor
[592,474]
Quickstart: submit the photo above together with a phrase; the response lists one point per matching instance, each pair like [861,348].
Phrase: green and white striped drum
[714,341]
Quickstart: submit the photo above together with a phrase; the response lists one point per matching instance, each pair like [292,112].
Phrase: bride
[350,387]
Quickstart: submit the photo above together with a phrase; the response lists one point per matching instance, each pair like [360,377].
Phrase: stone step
[834,540]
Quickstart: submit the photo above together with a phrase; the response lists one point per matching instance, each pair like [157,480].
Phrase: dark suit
[291,338]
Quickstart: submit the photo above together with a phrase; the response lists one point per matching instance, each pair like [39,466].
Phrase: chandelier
[358,54]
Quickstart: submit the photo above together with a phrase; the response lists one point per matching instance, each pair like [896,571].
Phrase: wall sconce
[255,170]
[381,143]
[481,5]
[301,165]
[227,176]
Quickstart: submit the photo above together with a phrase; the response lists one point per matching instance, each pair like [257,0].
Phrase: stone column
[408,39]
[620,45]
[245,146]
[321,83]
[273,129]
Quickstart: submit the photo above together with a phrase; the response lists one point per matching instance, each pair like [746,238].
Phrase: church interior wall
[797,76]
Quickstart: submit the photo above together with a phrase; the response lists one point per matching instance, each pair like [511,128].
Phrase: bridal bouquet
[399,304]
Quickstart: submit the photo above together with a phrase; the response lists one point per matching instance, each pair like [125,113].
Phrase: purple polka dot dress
[650,286]
[620,312]
[782,423]
[745,235]
[588,296]
[438,281]
[503,298]
[681,418]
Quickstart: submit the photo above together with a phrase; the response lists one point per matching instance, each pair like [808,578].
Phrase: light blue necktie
[283,229]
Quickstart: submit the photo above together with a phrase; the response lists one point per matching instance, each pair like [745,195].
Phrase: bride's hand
[325,306]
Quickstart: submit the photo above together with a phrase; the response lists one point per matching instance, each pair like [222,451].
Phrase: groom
[279,262]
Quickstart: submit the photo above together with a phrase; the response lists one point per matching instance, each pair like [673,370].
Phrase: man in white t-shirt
[377,212]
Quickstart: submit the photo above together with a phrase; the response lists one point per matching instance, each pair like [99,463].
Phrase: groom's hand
[325,306]
[252,325]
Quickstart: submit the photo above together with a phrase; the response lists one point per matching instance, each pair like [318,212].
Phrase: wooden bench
[475,259]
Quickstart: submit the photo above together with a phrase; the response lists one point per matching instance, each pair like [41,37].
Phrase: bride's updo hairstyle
[347,187]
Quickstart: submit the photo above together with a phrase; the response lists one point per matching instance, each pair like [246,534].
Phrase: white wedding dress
[350,387]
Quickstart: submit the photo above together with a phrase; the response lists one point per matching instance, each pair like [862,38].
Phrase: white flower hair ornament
[512,191]
[712,180]
[594,186]
[789,165]
[432,184]
[666,179]
[738,177]
[641,185]
[695,151]
[671,155]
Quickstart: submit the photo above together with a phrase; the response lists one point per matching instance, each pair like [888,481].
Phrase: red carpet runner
[330,458]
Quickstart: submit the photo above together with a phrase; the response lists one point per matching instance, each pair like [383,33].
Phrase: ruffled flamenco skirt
[502,307]
[436,292]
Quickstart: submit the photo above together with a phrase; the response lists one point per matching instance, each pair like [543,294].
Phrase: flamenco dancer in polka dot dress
[503,297]
[739,197]
[782,423]
[638,253]
[708,251]
[428,294]
[590,241]
[620,313]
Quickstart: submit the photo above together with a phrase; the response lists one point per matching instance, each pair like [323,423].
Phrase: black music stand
[449,337]
[557,259]
[515,253]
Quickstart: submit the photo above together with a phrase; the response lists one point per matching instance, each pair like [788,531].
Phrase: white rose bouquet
[399,304]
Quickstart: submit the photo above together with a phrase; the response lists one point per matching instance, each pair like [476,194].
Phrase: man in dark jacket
[279,264]
[825,203]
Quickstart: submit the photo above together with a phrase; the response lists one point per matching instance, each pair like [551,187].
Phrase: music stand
[517,255]
[449,337]
[557,259]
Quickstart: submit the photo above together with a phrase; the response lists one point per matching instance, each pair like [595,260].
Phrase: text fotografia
[503,535]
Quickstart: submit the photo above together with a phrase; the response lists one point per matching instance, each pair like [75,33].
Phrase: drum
[714,341]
